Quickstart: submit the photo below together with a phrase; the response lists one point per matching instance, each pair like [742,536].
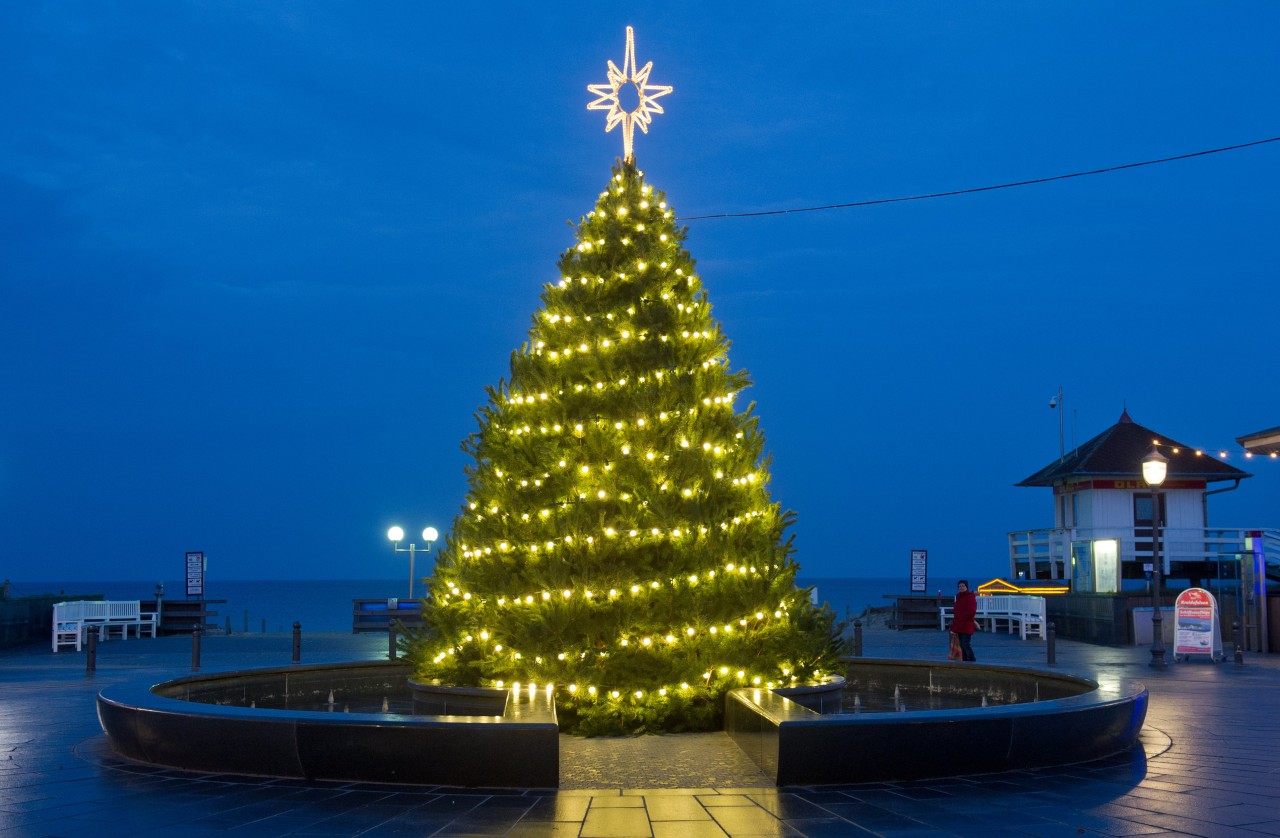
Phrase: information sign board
[195,574]
[1198,630]
[919,571]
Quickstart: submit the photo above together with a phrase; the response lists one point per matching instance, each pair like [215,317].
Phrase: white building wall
[1085,507]
[1185,509]
[1111,508]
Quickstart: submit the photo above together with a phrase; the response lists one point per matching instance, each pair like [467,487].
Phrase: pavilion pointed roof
[1117,452]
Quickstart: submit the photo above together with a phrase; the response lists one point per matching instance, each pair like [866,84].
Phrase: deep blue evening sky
[258,260]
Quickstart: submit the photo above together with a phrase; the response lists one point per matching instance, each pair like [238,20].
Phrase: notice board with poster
[919,571]
[1197,630]
[195,574]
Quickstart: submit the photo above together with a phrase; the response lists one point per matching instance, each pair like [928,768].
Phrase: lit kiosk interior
[1104,542]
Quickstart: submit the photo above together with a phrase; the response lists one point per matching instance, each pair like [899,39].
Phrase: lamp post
[1154,468]
[397,535]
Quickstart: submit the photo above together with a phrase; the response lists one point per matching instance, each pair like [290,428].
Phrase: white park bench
[72,619]
[1026,612]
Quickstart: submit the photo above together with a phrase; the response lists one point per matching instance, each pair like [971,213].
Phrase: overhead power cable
[979,188]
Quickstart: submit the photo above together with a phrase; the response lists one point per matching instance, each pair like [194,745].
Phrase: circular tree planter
[436,699]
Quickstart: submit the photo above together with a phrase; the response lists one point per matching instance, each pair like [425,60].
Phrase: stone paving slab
[1207,764]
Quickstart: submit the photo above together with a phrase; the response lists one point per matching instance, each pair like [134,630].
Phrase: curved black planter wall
[172,725]
[1078,720]
[205,723]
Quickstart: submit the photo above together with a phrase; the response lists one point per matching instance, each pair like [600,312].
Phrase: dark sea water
[325,604]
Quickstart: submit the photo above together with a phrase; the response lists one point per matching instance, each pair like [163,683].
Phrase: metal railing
[1032,552]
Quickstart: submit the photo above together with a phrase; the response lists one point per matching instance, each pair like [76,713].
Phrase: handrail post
[195,647]
[297,642]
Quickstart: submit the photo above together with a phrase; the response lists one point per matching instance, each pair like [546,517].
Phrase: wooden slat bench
[1026,612]
[375,615]
[72,619]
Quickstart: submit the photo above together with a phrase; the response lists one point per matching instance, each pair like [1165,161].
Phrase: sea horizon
[274,605]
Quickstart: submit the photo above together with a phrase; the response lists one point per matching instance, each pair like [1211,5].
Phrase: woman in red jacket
[962,624]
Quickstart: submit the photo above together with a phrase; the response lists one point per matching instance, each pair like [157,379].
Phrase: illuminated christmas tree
[618,540]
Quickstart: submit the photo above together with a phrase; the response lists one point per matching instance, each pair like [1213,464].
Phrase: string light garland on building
[609,100]
[976,189]
[1219,453]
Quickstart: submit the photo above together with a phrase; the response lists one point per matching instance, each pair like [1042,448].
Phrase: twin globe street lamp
[1155,467]
[396,534]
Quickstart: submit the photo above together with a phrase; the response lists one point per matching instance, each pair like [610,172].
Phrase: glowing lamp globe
[1154,468]
[395,534]
[430,534]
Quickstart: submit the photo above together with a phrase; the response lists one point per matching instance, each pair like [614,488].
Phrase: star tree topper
[646,93]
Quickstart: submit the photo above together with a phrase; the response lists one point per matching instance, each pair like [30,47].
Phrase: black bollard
[91,651]
[1051,643]
[1237,637]
[297,642]
[392,652]
[195,647]
[857,638]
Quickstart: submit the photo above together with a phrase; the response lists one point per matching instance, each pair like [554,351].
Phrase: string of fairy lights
[673,636]
[534,548]
[657,376]
[622,335]
[670,638]
[639,422]
[1222,453]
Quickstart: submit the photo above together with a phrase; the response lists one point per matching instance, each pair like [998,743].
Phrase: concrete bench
[72,619]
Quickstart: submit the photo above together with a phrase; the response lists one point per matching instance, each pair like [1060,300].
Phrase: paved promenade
[1208,764]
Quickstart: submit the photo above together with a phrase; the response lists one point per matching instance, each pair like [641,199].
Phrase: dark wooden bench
[375,615]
